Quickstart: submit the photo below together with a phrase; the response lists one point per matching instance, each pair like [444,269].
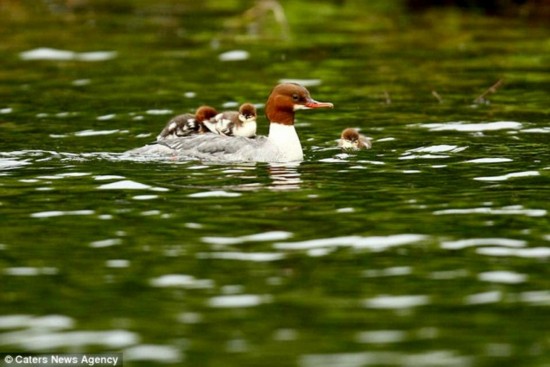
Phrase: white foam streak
[474,127]
[396,302]
[386,358]
[508,210]
[242,256]
[30,271]
[508,176]
[489,160]
[40,339]
[6,164]
[215,194]
[129,185]
[529,253]
[483,298]
[234,55]
[258,237]
[375,243]
[502,276]
[541,298]
[51,322]
[381,336]
[238,301]
[85,133]
[59,213]
[181,281]
[438,149]
[52,54]
[152,352]
[471,242]
[424,156]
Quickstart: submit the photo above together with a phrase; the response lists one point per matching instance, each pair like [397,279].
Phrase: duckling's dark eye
[295,98]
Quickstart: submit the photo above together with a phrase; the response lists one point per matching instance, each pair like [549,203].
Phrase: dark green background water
[431,249]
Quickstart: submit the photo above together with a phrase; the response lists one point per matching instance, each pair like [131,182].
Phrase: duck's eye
[295,98]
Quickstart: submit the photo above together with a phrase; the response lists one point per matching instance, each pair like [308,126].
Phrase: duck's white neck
[285,139]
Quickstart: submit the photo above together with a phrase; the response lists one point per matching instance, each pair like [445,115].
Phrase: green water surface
[430,249]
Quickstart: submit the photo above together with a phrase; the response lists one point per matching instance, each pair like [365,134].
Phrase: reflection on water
[284,176]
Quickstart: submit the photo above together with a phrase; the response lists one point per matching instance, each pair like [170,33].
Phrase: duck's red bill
[315,104]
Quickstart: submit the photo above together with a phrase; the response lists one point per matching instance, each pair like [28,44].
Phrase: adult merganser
[187,124]
[352,140]
[281,145]
[233,123]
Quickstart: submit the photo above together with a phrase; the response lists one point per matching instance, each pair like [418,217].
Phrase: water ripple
[483,298]
[52,54]
[215,194]
[381,358]
[258,237]
[502,276]
[508,176]
[489,160]
[396,302]
[238,301]
[181,281]
[529,253]
[473,127]
[129,185]
[471,242]
[381,336]
[52,322]
[86,133]
[38,339]
[508,210]
[30,271]
[375,243]
[153,352]
[59,213]
[243,256]
[6,164]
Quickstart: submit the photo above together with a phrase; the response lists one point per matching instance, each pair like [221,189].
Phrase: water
[431,249]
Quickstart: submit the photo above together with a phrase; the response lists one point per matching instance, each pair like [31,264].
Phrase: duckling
[187,124]
[233,123]
[350,139]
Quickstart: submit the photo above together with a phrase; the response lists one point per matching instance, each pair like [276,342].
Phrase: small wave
[472,242]
[508,176]
[181,281]
[52,54]
[502,276]
[242,256]
[529,253]
[396,302]
[507,210]
[374,243]
[257,237]
[154,353]
[59,213]
[238,301]
[473,127]
[489,160]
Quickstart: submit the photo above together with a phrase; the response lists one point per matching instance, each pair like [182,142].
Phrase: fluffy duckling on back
[187,124]
[233,123]
[350,139]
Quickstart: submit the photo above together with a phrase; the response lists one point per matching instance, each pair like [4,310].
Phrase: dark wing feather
[181,125]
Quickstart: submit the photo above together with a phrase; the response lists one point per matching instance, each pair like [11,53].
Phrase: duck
[350,139]
[235,123]
[281,145]
[188,124]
